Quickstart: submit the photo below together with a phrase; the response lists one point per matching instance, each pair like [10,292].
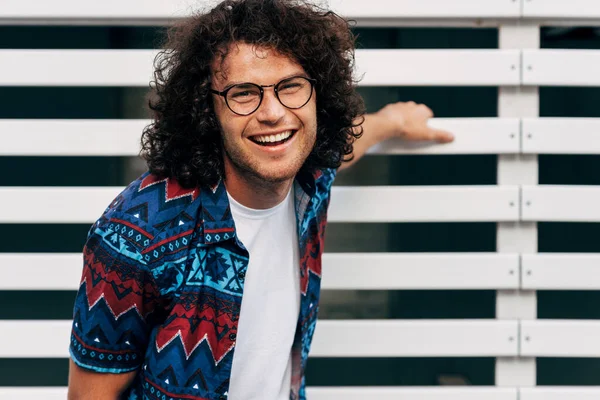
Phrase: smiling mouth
[273,140]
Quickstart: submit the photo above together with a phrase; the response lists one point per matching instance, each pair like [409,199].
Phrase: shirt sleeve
[117,297]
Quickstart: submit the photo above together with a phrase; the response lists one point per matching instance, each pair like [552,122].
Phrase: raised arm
[406,121]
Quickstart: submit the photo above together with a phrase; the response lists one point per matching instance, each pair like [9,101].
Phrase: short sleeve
[112,317]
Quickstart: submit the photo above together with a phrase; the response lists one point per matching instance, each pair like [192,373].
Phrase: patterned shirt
[162,285]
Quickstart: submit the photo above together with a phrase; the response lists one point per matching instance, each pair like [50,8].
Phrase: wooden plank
[161,11]
[426,9]
[567,67]
[561,136]
[74,205]
[555,203]
[560,338]
[424,204]
[76,67]
[379,67]
[560,393]
[343,271]
[412,393]
[47,137]
[555,271]
[323,393]
[40,271]
[393,271]
[438,67]
[560,9]
[415,338]
[349,204]
[365,338]
[107,9]
[472,136]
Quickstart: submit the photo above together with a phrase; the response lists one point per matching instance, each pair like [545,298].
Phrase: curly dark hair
[184,140]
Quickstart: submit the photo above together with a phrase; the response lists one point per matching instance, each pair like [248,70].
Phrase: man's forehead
[241,59]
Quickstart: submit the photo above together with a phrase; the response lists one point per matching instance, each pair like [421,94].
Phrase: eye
[243,93]
[290,85]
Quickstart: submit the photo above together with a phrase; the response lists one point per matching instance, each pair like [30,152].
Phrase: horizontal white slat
[393,271]
[473,136]
[161,11]
[561,203]
[349,204]
[40,271]
[349,271]
[576,9]
[59,205]
[370,338]
[438,67]
[560,338]
[560,393]
[47,137]
[323,393]
[561,135]
[566,67]
[403,9]
[415,338]
[424,204]
[380,67]
[33,393]
[412,393]
[106,9]
[21,339]
[76,67]
[380,393]
[554,271]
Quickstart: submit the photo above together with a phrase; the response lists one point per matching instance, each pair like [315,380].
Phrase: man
[255,111]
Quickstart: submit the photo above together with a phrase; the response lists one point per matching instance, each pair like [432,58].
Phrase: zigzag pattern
[172,189]
[123,287]
[162,287]
[200,317]
[199,369]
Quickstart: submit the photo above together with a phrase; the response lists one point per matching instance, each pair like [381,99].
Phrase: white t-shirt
[261,367]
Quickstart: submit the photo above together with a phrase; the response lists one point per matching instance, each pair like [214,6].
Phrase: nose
[271,111]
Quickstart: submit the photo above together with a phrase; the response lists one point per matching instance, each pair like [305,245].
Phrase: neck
[254,192]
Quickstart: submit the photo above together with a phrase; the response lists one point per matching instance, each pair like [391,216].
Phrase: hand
[409,121]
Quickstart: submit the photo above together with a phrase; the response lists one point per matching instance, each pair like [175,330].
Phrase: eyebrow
[230,84]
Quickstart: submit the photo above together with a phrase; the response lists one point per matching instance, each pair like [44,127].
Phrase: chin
[277,175]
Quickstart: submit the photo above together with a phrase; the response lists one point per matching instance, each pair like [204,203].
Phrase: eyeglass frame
[224,92]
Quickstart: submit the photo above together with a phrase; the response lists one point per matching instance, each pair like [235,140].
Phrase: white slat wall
[517,203]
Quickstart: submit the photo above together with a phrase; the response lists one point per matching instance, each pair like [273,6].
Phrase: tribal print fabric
[162,284]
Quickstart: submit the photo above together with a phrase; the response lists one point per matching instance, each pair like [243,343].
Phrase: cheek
[231,126]
[310,121]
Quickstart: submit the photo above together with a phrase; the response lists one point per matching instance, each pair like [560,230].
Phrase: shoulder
[151,209]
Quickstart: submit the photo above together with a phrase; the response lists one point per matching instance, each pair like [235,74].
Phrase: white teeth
[273,138]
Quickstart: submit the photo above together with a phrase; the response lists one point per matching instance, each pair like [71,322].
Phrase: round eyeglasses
[245,98]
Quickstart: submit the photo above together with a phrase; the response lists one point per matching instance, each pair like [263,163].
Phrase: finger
[441,136]
[427,112]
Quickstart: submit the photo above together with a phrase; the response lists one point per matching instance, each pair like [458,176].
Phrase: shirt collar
[217,221]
